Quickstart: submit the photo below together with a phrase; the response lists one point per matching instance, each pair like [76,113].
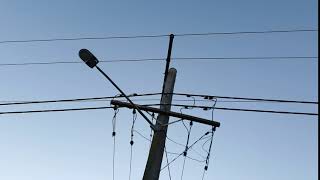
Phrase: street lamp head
[88,58]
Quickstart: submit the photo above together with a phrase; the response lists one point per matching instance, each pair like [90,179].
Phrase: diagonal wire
[167,158]
[188,148]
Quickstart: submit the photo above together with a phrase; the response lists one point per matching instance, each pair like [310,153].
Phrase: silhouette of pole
[153,167]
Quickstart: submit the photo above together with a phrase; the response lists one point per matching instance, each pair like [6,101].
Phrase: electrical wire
[247,32]
[191,158]
[209,152]
[202,137]
[75,99]
[55,110]
[104,99]
[162,60]
[134,118]
[245,98]
[81,38]
[167,159]
[238,109]
[178,105]
[157,36]
[186,149]
[114,119]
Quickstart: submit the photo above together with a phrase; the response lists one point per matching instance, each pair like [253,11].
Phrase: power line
[158,36]
[206,98]
[238,109]
[56,110]
[195,142]
[249,32]
[82,38]
[245,98]
[177,105]
[162,60]
[75,100]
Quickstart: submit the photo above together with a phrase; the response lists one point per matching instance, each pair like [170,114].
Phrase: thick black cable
[103,99]
[99,99]
[76,99]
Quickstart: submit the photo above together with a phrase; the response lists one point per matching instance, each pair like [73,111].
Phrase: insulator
[185,153]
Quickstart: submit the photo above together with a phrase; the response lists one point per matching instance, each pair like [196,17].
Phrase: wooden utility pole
[153,167]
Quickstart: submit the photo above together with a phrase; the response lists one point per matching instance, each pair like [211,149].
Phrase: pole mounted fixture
[92,62]
[88,58]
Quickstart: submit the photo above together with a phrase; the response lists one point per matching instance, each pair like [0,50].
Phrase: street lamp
[92,62]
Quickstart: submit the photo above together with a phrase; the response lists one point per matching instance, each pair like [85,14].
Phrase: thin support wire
[186,148]
[167,158]
[134,117]
[116,110]
[201,138]
[213,129]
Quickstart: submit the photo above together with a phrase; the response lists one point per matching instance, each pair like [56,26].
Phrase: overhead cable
[157,36]
[162,60]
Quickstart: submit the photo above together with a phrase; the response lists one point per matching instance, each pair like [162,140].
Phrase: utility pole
[153,167]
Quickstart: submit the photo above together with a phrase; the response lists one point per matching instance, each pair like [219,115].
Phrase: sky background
[78,145]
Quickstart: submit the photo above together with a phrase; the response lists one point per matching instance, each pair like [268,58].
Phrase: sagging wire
[186,148]
[114,119]
[151,131]
[167,158]
[134,118]
[201,138]
[179,144]
[188,138]
[191,158]
[186,107]
[213,130]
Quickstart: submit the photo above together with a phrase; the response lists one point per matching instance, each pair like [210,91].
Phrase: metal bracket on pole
[169,113]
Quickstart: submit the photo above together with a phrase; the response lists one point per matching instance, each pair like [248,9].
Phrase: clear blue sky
[78,145]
